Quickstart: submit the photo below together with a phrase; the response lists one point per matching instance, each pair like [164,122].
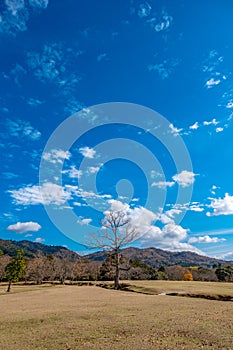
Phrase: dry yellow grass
[74,318]
[186,287]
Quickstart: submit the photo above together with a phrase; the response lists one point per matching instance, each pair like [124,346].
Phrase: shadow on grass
[152,291]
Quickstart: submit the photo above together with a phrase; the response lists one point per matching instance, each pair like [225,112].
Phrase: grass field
[73,318]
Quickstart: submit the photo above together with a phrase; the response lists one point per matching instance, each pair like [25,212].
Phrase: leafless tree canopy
[117,231]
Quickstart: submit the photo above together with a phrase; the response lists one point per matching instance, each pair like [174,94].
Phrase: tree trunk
[9,287]
[117,271]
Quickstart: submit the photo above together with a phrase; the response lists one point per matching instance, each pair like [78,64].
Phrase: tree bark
[117,271]
[9,287]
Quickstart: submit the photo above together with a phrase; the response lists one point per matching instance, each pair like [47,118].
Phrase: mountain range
[150,256]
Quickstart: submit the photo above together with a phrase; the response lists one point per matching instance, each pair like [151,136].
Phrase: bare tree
[117,231]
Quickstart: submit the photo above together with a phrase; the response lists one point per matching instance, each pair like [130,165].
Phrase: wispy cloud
[194,126]
[16,13]
[144,10]
[162,22]
[39,3]
[93,169]
[73,173]
[34,102]
[56,156]
[227,256]
[21,128]
[211,67]
[18,72]
[39,240]
[101,57]
[184,179]
[165,68]
[48,193]
[72,105]
[22,227]
[206,239]
[52,65]
[51,193]
[211,122]
[163,184]
[174,130]
[212,82]
[85,221]
[9,175]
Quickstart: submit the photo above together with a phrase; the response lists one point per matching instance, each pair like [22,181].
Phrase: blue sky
[170,169]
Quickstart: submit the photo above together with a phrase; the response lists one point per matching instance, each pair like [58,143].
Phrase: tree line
[50,268]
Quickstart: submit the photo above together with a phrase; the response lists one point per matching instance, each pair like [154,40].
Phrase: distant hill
[158,257]
[34,249]
[150,256]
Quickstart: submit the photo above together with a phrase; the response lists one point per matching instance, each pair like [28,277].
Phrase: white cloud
[79,192]
[142,218]
[211,122]
[93,169]
[212,82]
[227,256]
[196,208]
[21,128]
[154,174]
[173,231]
[169,237]
[172,212]
[48,193]
[185,178]
[212,68]
[135,200]
[84,221]
[219,129]
[221,206]
[229,104]
[165,219]
[22,227]
[39,240]
[195,126]
[163,184]
[56,156]
[73,173]
[87,152]
[206,239]
[77,204]
[174,130]
[116,205]
[213,189]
